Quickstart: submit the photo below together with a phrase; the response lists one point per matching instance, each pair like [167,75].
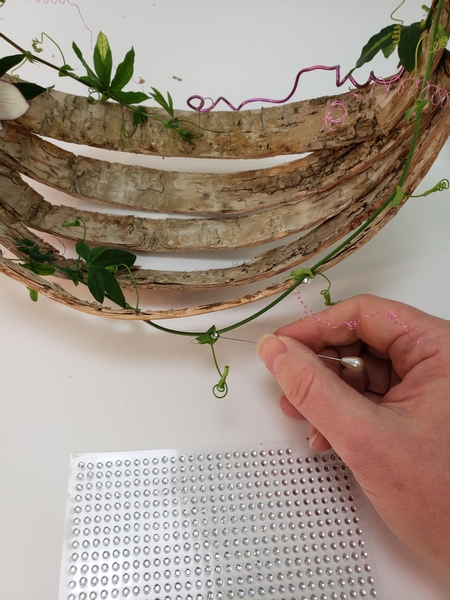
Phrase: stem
[174,331]
[39,60]
[424,85]
[360,229]
[68,73]
[263,310]
[53,41]
[215,361]
[236,325]
[343,244]
[355,234]
[409,158]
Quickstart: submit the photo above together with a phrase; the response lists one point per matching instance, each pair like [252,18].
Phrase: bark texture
[322,197]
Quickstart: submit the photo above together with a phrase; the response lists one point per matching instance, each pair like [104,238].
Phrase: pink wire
[339,82]
[352,325]
[70,3]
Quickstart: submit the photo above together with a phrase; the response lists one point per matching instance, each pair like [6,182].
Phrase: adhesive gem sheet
[248,522]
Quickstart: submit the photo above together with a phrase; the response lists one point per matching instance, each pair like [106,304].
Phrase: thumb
[343,416]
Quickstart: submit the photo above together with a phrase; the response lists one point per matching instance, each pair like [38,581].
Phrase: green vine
[97,268]
[382,41]
[101,82]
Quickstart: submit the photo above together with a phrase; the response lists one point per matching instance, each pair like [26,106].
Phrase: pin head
[354,363]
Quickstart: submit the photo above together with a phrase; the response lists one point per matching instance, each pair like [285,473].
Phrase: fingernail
[272,351]
[313,434]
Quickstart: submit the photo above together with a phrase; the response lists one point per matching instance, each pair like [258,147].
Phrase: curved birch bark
[155,190]
[339,206]
[293,128]
[286,257]
[194,235]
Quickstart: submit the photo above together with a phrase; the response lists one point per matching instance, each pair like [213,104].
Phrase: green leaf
[75,275]
[38,268]
[103,60]
[112,288]
[8,62]
[95,252]
[39,257]
[83,250]
[167,105]
[408,46]
[170,102]
[140,115]
[128,97]
[32,250]
[91,75]
[26,245]
[399,195]
[101,282]
[33,294]
[185,135]
[107,257]
[381,40]
[92,83]
[300,274]
[96,284]
[415,110]
[124,72]
[64,70]
[30,90]
[388,50]
[205,338]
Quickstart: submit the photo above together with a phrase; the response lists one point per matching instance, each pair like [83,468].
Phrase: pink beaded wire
[352,325]
[70,3]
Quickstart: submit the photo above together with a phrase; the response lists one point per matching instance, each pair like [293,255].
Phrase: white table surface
[72,383]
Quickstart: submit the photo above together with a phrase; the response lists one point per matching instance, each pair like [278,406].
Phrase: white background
[72,383]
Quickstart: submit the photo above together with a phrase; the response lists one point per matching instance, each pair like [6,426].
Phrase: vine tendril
[442,185]
[398,27]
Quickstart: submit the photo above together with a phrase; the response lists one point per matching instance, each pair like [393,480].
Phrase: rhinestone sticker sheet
[252,522]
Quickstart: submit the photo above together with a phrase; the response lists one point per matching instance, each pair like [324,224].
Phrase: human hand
[389,424]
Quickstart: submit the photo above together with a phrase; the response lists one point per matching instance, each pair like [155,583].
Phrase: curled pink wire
[423,90]
[70,3]
[200,107]
[352,325]
[337,111]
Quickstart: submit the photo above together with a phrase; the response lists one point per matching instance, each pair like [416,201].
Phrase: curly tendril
[444,184]
[440,44]
[398,27]
[441,186]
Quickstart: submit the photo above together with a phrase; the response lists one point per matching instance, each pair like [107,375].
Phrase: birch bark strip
[287,257]
[292,128]
[195,235]
[170,192]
